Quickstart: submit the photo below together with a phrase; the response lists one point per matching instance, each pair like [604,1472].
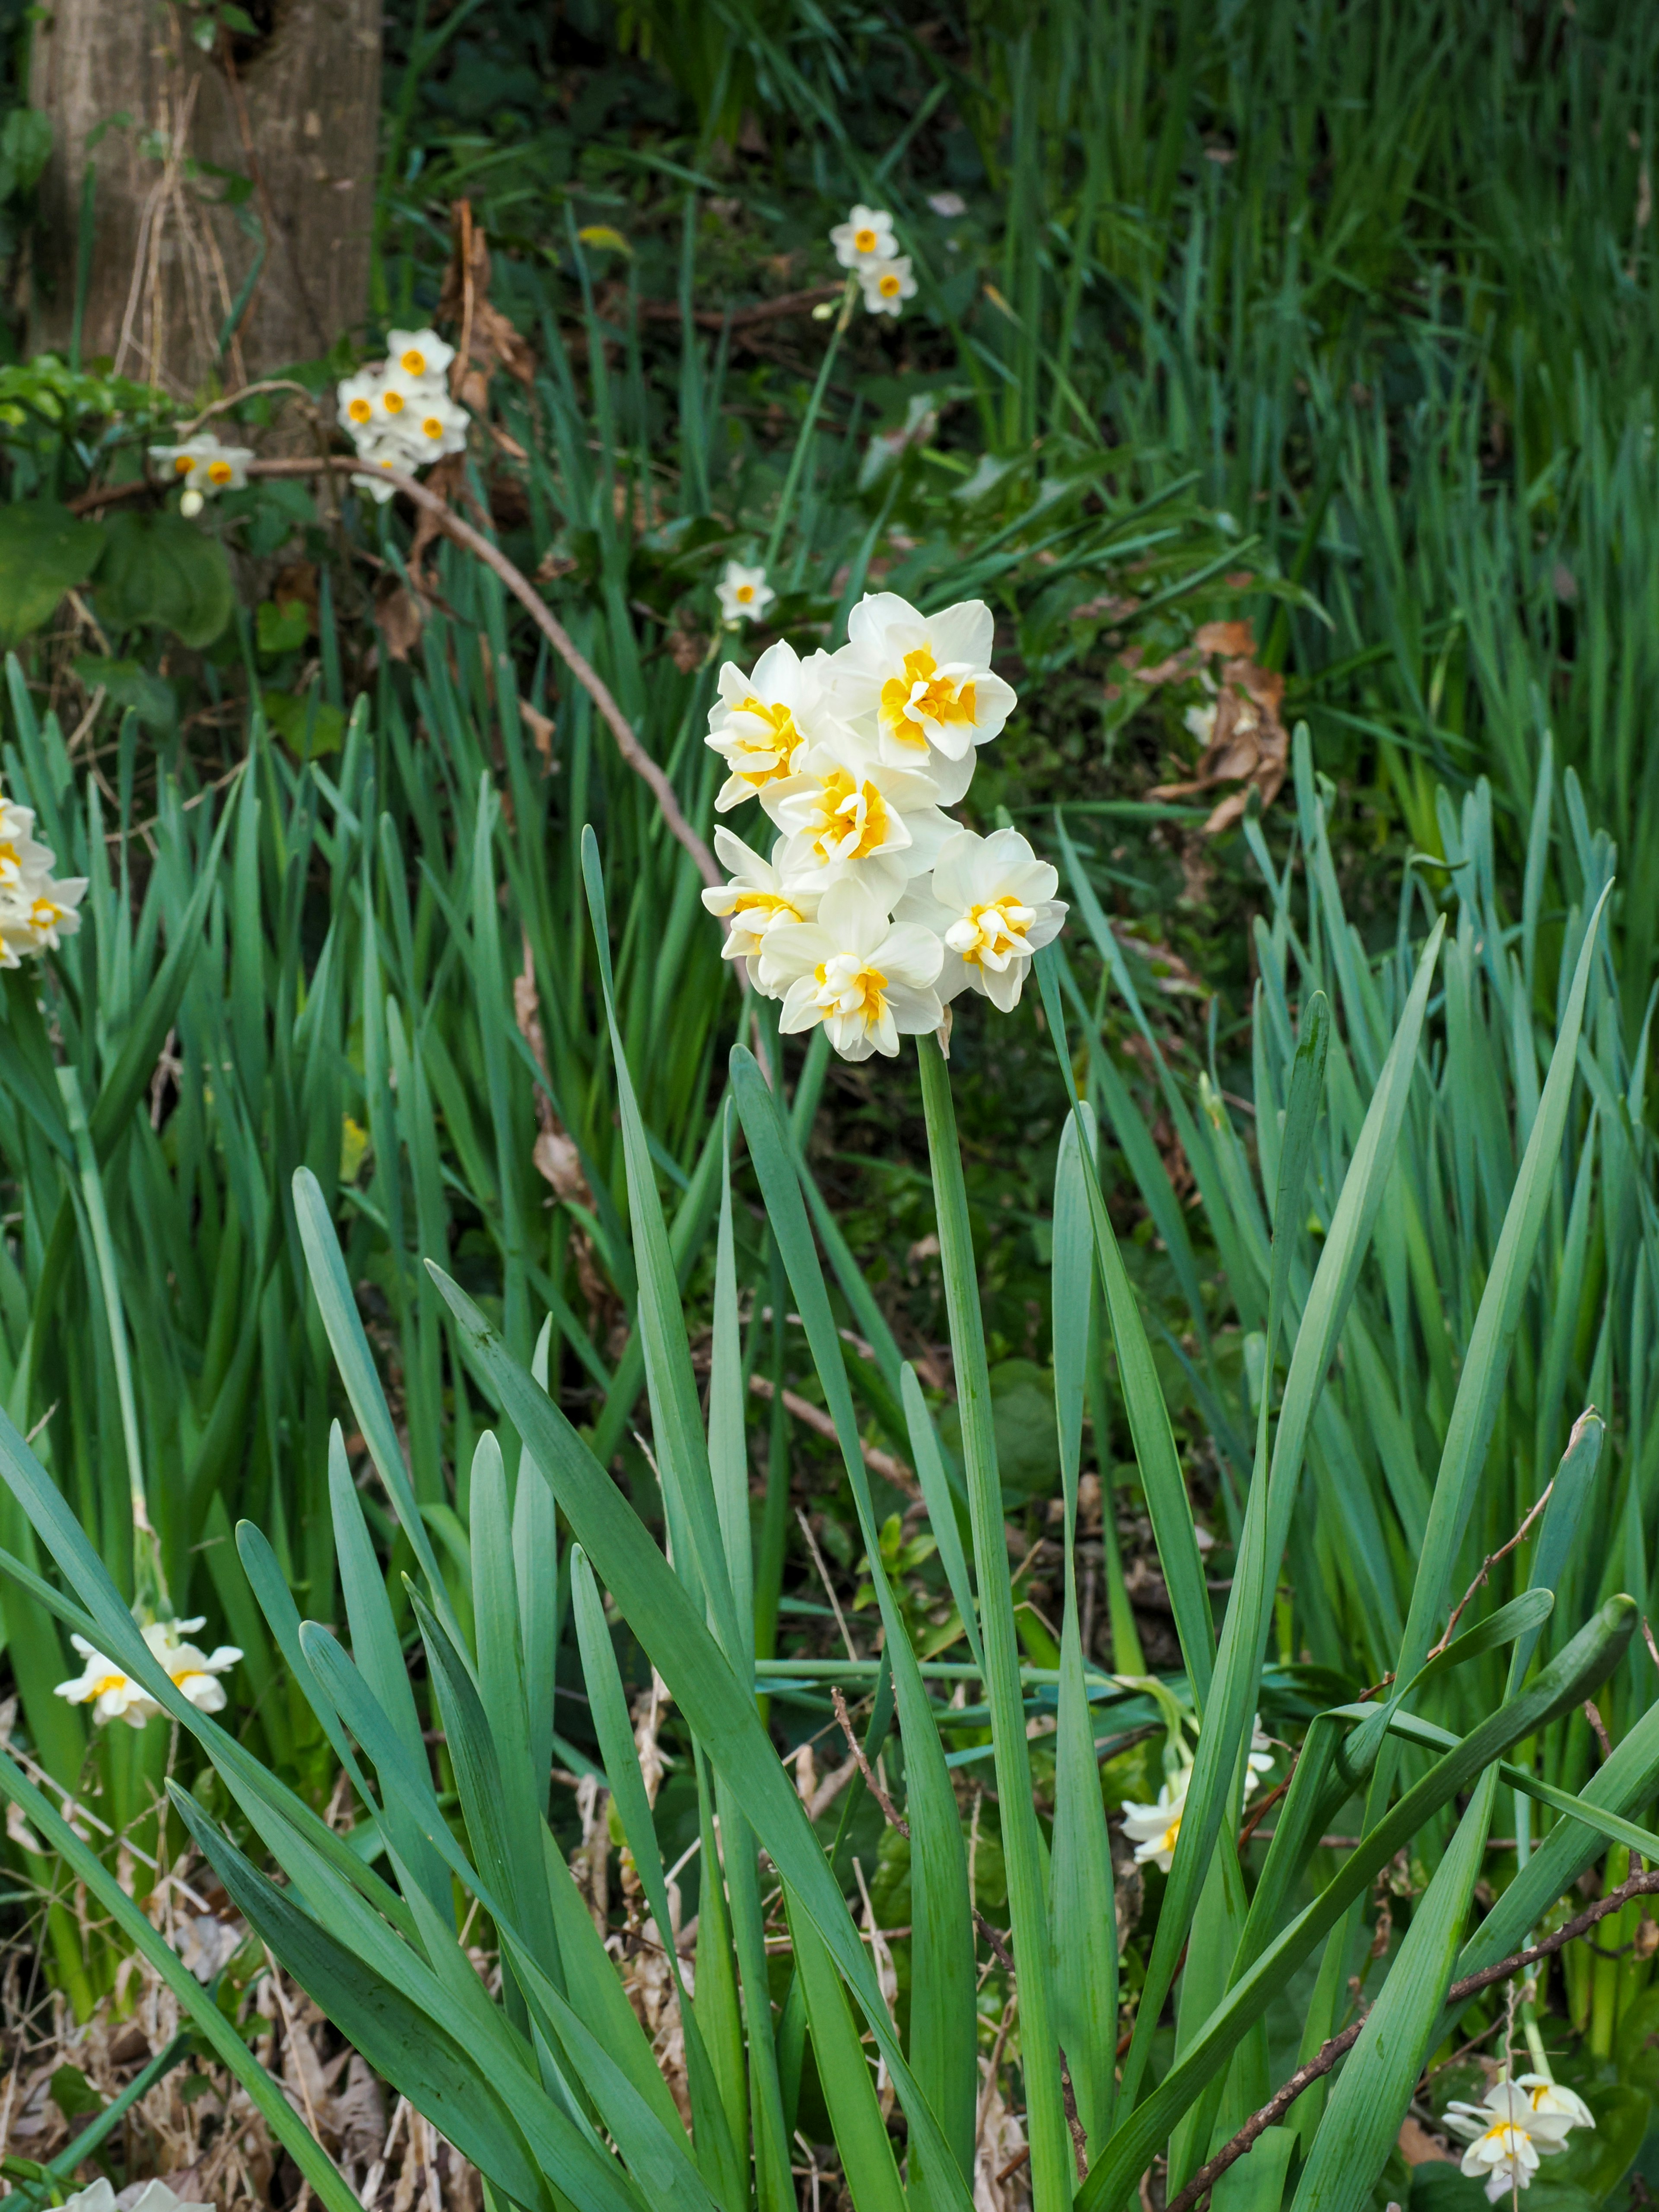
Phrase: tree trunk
[210,213]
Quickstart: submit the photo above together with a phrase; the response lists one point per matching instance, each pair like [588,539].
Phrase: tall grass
[1384,1117]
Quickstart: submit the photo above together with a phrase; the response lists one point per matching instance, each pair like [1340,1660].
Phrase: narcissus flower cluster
[204,467]
[114,1695]
[38,909]
[1515,2125]
[400,415]
[873,908]
[865,245]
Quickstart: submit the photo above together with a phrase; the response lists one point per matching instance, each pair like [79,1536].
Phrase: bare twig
[1489,1563]
[892,1811]
[996,1938]
[829,1586]
[814,1418]
[1593,1715]
[1640,1885]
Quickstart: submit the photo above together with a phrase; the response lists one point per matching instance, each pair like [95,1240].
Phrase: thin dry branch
[871,1781]
[1640,1885]
[814,1418]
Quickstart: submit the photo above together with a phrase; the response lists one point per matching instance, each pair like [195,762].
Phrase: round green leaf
[160,568]
[45,551]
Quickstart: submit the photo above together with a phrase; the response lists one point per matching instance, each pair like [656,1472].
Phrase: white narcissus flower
[886,285]
[759,722]
[865,240]
[379,456]
[921,685]
[157,2198]
[114,1695]
[756,900]
[1154,1830]
[420,354]
[203,464]
[844,813]
[991,901]
[1547,2096]
[1507,2134]
[868,979]
[26,865]
[39,922]
[744,593]
[356,403]
[432,426]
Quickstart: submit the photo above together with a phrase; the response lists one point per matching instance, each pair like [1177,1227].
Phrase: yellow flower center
[44,913]
[1508,2137]
[865,240]
[744,594]
[776,751]
[359,410]
[393,402]
[183,464]
[188,1674]
[853,818]
[433,426]
[846,987]
[999,924]
[108,1682]
[763,904]
[1171,1835]
[922,694]
[219,472]
[887,286]
[412,362]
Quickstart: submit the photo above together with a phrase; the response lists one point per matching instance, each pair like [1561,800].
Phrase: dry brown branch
[814,1418]
[870,1782]
[1502,1553]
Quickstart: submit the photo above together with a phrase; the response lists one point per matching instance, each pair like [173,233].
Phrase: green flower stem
[1053,2170]
[808,423]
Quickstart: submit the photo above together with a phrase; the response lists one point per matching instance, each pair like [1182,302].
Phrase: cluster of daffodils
[400,415]
[1515,2124]
[874,908]
[114,1695]
[1155,1829]
[37,909]
[204,467]
[865,245]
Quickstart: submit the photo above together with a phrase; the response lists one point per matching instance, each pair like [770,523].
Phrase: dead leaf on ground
[1246,744]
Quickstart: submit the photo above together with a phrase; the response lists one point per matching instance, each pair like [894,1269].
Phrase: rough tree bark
[173,263]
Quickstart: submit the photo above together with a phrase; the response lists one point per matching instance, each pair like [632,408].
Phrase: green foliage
[161,570]
[44,552]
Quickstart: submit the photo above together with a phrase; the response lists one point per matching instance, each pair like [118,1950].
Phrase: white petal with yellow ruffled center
[844,813]
[756,900]
[991,903]
[921,687]
[759,722]
[867,980]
